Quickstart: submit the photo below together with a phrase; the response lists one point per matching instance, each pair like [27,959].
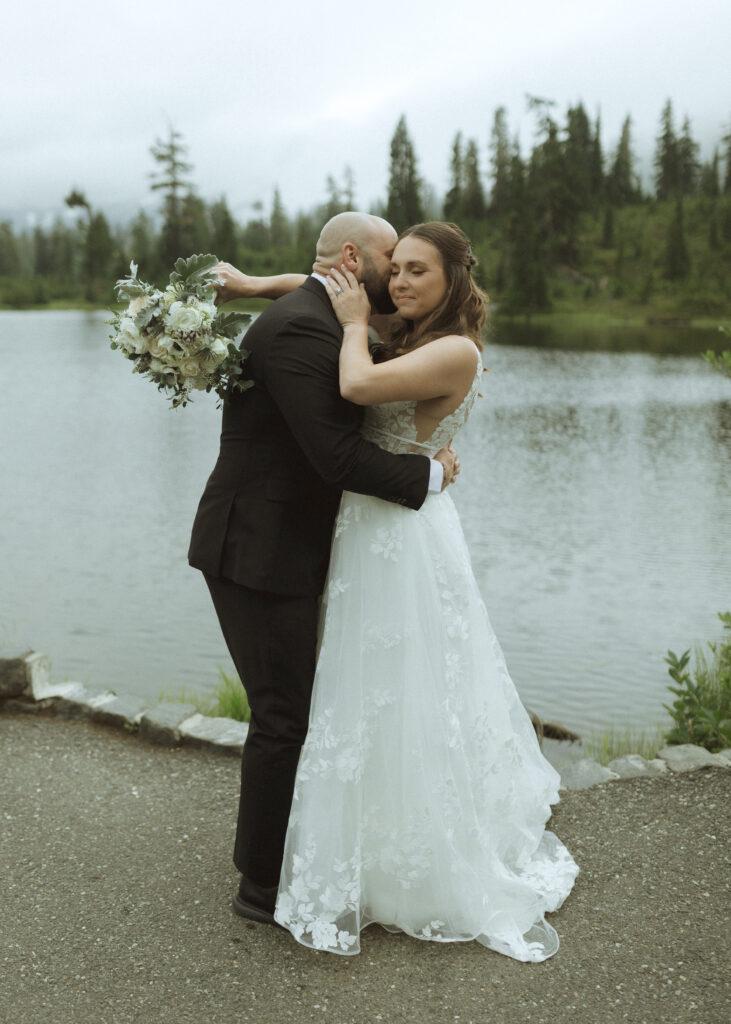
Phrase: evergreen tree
[688,168]
[99,255]
[142,245]
[677,258]
[727,175]
[348,189]
[608,227]
[621,188]
[404,205]
[9,255]
[474,203]
[42,254]
[454,199]
[279,231]
[597,163]
[306,232]
[579,162]
[76,199]
[710,179]
[256,232]
[714,238]
[62,250]
[556,208]
[526,287]
[667,156]
[334,204]
[170,179]
[195,231]
[98,248]
[500,164]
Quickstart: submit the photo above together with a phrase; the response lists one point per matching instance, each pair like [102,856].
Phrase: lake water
[595,494]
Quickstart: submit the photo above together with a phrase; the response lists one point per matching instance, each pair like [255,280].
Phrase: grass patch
[606,744]
[228,700]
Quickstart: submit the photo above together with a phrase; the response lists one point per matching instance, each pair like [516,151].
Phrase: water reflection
[672,338]
[595,496]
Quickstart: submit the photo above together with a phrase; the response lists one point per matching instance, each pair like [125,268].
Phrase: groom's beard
[376,288]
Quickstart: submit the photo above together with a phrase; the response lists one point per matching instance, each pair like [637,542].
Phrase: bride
[421,795]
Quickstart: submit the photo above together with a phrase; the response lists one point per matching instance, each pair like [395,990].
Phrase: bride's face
[418,282]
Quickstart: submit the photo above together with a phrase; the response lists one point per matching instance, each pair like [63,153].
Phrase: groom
[289,446]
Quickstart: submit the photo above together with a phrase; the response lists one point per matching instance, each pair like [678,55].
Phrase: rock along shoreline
[26,686]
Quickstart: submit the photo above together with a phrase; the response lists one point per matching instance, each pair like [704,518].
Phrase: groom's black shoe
[255,902]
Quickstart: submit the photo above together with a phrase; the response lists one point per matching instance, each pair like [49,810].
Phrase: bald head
[363,244]
[363,230]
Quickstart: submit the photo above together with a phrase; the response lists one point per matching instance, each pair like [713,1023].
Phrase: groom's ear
[351,257]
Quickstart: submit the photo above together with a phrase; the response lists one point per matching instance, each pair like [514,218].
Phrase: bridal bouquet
[177,338]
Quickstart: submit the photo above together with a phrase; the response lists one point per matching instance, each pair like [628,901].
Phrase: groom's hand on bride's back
[450,464]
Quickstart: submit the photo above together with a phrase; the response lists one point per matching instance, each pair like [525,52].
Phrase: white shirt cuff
[436,476]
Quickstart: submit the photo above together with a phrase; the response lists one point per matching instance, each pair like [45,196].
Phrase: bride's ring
[338,291]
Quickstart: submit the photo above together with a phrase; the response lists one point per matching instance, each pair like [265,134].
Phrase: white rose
[137,305]
[218,347]
[161,351]
[184,318]
[209,311]
[167,343]
[130,338]
[190,367]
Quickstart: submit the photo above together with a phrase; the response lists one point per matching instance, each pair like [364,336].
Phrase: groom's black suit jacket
[289,446]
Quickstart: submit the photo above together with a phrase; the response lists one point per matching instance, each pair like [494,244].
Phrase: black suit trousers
[272,639]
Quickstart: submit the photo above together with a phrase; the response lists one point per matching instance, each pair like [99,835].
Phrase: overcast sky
[285,93]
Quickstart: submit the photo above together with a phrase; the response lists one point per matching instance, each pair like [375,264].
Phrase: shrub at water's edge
[702,708]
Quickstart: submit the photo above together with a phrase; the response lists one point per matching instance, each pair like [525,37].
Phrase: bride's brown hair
[463,310]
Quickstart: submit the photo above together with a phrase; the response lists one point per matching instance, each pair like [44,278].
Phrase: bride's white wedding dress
[421,795]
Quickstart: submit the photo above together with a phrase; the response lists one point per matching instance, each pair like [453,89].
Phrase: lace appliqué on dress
[421,795]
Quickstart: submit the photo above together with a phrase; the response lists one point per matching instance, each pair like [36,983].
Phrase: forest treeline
[565,227]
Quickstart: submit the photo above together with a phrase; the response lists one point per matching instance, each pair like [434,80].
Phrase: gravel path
[117,878]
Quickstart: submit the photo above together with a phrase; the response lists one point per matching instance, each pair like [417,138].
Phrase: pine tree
[677,258]
[500,163]
[667,157]
[256,231]
[62,248]
[523,256]
[710,179]
[688,168]
[171,181]
[404,205]
[474,203]
[454,199]
[9,255]
[579,151]
[621,188]
[555,206]
[99,252]
[223,232]
[195,231]
[42,254]
[279,231]
[608,227]
[348,189]
[727,175]
[597,163]
[141,245]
